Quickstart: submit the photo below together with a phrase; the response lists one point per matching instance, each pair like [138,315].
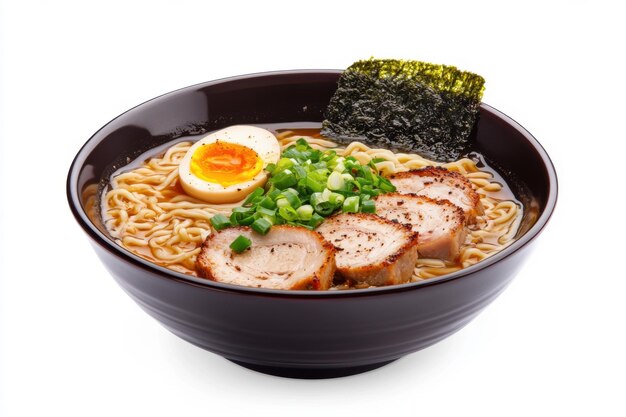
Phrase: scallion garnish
[305,186]
[288,213]
[219,222]
[305,212]
[261,225]
[240,244]
[368,206]
[351,204]
[254,194]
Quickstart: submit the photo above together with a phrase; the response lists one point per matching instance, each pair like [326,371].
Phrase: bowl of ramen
[240,216]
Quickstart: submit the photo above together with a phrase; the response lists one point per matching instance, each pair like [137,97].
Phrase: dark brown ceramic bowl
[299,333]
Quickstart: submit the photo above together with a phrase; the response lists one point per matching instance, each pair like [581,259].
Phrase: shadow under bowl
[302,334]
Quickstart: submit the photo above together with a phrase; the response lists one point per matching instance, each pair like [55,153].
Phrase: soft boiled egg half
[227,165]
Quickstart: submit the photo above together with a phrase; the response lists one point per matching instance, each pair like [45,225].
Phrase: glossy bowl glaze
[298,333]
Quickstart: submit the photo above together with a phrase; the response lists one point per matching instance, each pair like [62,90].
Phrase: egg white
[262,141]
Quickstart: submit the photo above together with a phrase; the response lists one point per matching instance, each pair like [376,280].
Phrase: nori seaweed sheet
[409,106]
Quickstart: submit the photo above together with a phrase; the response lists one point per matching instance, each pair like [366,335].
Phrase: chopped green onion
[291,196]
[254,194]
[273,193]
[261,226]
[386,185]
[314,184]
[219,222]
[270,168]
[325,208]
[300,171]
[364,181]
[321,166]
[351,205]
[246,221]
[368,190]
[305,212]
[316,220]
[321,205]
[268,203]
[288,213]
[305,186]
[315,155]
[329,155]
[316,198]
[340,167]
[265,211]
[282,164]
[367,174]
[335,181]
[368,206]
[284,179]
[272,219]
[240,213]
[322,173]
[240,244]
[282,202]
[336,199]
[292,152]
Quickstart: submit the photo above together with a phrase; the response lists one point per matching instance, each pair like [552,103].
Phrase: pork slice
[440,184]
[439,223]
[370,249]
[286,258]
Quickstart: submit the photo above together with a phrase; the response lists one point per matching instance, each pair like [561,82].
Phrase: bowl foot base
[311,373]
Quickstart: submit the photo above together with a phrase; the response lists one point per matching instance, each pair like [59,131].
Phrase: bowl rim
[74,201]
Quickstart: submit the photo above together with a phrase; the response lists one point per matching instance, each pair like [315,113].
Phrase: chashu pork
[439,223]
[440,184]
[286,258]
[370,249]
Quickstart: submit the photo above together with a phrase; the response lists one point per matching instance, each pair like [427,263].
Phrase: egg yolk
[225,163]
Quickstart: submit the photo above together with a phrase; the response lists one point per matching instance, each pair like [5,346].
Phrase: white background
[73,344]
